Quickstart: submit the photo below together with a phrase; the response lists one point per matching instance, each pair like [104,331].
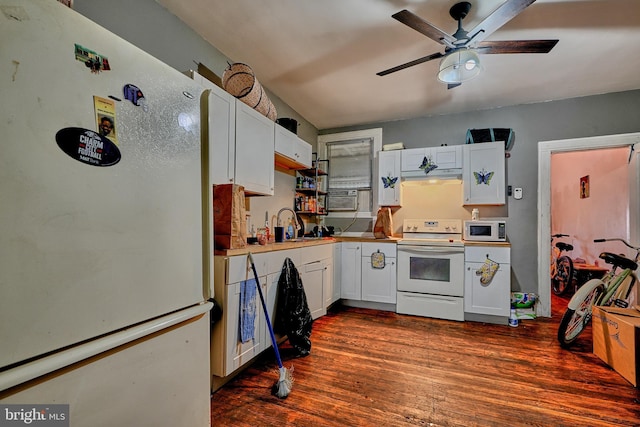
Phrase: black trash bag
[293,317]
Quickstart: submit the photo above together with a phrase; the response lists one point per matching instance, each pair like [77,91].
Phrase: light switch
[517,193]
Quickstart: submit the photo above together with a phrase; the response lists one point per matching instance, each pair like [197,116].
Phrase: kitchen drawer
[426,305]
[315,253]
[501,255]
[275,259]
[239,268]
[389,249]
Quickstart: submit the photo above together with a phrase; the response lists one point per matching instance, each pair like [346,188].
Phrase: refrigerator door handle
[45,365]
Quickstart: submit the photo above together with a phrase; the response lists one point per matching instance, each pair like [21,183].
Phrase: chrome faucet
[293,216]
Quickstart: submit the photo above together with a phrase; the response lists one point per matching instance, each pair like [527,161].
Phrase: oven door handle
[431,249]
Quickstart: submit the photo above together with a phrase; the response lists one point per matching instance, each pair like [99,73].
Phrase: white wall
[604,214]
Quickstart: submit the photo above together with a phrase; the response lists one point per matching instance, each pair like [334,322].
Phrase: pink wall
[604,214]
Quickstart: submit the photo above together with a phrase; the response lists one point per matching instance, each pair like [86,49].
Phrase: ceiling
[321,57]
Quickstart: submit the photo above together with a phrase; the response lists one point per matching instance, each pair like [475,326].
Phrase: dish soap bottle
[290,230]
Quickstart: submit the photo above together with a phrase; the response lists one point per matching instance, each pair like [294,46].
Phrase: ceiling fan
[460,58]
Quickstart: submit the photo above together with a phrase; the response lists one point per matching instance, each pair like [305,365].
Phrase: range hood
[440,174]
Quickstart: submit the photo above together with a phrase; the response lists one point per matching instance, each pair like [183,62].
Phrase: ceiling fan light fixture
[459,66]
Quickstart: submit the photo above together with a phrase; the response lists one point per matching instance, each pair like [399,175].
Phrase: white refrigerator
[105,251]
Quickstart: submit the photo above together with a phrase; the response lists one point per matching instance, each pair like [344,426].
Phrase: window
[351,158]
[350,164]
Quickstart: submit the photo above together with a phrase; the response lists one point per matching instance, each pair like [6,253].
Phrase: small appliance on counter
[485,230]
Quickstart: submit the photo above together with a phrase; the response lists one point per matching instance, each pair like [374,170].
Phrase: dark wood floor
[373,368]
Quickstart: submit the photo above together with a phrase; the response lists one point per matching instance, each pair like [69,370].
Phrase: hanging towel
[247,309]
[487,271]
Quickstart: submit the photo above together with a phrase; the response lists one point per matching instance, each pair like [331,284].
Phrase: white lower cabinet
[228,353]
[360,280]
[312,275]
[489,301]
[379,281]
[317,276]
[336,286]
[351,274]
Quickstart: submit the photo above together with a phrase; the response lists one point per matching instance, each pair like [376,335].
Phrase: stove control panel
[432,226]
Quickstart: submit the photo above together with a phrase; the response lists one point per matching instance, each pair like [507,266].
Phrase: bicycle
[561,268]
[613,288]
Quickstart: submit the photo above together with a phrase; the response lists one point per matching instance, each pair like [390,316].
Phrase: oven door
[431,269]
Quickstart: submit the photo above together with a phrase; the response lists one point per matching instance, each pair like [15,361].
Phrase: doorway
[545,150]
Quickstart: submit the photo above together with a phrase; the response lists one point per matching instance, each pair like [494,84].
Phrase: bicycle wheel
[564,275]
[579,311]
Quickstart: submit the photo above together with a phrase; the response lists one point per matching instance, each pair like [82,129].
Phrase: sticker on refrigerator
[105,117]
[87,146]
[94,61]
[133,94]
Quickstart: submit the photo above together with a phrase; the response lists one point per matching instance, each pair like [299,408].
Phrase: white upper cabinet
[254,151]
[240,140]
[219,127]
[448,157]
[389,193]
[444,157]
[483,174]
[291,151]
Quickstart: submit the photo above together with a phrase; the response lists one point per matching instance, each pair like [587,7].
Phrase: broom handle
[266,313]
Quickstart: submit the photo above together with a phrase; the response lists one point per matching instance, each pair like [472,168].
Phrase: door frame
[545,149]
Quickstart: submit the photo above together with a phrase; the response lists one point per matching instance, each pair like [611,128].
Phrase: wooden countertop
[324,241]
[256,249]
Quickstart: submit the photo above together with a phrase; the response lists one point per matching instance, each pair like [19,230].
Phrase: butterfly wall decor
[389,182]
[483,177]
[427,165]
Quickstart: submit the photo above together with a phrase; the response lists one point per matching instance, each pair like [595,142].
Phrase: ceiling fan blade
[411,64]
[516,46]
[503,14]
[424,27]
[452,85]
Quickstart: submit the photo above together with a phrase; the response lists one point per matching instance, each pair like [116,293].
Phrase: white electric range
[431,269]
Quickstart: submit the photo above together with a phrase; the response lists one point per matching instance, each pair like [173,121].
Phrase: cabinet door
[219,127]
[238,353]
[447,157]
[312,275]
[379,284]
[412,158]
[221,132]
[254,161]
[337,271]
[291,151]
[327,283]
[270,296]
[389,178]
[492,298]
[484,174]
[351,277]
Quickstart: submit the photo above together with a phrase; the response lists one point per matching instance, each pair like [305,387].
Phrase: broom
[283,386]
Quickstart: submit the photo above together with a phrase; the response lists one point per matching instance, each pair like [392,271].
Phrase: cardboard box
[229,217]
[616,340]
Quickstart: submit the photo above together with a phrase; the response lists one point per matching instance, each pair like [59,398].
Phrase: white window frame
[374,134]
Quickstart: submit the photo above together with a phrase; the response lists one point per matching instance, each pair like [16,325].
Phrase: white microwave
[485,231]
